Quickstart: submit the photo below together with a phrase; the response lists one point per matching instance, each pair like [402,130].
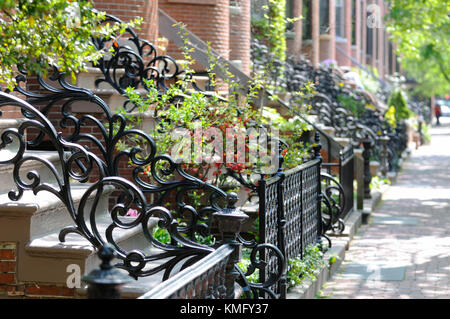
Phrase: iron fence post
[105,282]
[367,174]
[359,172]
[422,139]
[230,222]
[281,220]
[384,153]
[318,156]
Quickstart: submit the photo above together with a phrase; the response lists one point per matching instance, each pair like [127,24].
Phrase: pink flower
[132,212]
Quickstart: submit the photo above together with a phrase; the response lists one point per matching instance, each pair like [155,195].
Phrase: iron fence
[203,280]
[290,214]
[345,169]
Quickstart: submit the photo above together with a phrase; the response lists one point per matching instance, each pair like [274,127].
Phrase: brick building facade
[129,9]
[332,29]
[352,32]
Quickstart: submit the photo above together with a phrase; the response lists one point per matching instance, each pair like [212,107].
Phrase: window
[257,9]
[290,14]
[307,19]
[354,21]
[324,16]
[369,41]
[340,25]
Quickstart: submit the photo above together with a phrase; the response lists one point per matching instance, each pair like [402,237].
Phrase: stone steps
[77,250]
[35,221]
[46,175]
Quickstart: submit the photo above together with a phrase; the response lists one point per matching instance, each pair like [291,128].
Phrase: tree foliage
[421,30]
[272,27]
[36,34]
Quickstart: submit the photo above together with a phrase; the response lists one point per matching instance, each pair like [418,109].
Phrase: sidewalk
[404,251]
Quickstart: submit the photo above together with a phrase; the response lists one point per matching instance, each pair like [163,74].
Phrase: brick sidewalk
[404,251]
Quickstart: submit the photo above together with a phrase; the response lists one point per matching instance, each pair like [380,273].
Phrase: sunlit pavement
[404,252]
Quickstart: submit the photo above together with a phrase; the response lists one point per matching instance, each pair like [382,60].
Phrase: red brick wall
[10,287]
[209,20]
[130,9]
[240,35]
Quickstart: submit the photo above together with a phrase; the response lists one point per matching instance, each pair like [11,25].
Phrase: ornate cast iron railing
[290,212]
[78,164]
[203,280]
[82,165]
[91,140]
[290,218]
[132,61]
[156,175]
[370,125]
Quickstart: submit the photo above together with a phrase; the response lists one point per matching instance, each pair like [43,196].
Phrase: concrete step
[6,170]
[48,250]
[344,141]
[200,81]
[10,123]
[7,123]
[35,222]
[43,213]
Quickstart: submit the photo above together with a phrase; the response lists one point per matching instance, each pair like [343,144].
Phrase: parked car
[445,110]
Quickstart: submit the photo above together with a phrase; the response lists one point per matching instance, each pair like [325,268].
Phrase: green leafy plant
[353,104]
[397,99]
[290,131]
[37,35]
[161,235]
[377,182]
[307,268]
[244,264]
[389,116]
[197,111]
[333,258]
[420,30]
[272,28]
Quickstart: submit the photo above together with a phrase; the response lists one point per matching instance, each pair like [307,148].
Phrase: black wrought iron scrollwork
[78,165]
[101,133]
[334,204]
[133,61]
[265,258]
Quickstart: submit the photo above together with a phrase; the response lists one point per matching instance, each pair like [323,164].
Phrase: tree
[421,30]
[37,34]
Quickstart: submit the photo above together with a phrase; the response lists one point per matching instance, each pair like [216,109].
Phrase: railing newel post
[318,156]
[105,282]
[367,175]
[230,222]
[384,153]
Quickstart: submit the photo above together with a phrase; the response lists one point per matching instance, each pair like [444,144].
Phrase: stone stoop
[33,262]
[115,100]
